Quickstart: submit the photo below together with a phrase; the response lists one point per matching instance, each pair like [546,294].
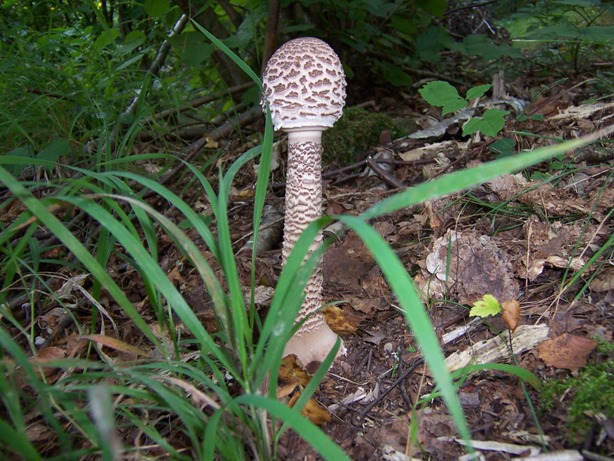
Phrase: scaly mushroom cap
[304,84]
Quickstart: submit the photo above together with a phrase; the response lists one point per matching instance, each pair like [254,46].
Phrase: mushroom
[304,85]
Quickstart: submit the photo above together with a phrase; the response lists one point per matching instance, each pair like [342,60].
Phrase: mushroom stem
[315,339]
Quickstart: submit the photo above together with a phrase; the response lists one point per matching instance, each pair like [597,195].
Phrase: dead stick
[384,176]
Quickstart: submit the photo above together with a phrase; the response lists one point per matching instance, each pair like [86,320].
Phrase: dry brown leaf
[39,433]
[49,353]
[285,391]
[511,313]
[471,264]
[339,321]
[313,411]
[198,396]
[117,345]
[566,351]
[604,281]
[175,276]
[375,337]
[292,371]
[44,357]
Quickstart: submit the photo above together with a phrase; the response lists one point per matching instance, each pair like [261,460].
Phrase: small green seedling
[488,305]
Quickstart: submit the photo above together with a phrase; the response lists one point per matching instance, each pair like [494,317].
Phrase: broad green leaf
[503,147]
[488,305]
[192,47]
[156,8]
[433,7]
[395,75]
[431,42]
[442,94]
[477,91]
[490,124]
[482,46]
[105,38]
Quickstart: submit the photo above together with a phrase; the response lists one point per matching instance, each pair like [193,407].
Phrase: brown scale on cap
[304,86]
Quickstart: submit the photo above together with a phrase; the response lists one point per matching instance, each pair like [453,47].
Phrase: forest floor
[536,237]
[514,238]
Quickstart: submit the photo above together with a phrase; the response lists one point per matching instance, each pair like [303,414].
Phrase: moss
[354,134]
[589,393]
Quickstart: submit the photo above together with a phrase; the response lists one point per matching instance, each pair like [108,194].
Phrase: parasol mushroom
[304,86]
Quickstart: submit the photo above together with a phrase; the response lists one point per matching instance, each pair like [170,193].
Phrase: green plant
[442,94]
[564,31]
[579,394]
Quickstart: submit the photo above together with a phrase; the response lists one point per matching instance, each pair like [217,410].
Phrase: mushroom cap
[304,85]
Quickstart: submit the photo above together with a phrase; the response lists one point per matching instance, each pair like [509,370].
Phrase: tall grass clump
[147,378]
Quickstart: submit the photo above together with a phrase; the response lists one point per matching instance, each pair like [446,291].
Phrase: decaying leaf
[467,265]
[566,351]
[511,313]
[117,345]
[44,357]
[292,372]
[312,410]
[339,321]
[604,281]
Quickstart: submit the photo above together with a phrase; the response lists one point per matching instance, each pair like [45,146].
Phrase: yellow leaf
[488,305]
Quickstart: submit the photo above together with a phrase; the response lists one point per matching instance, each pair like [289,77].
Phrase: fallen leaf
[468,264]
[566,351]
[50,353]
[313,411]
[511,313]
[175,276]
[604,281]
[199,397]
[285,391]
[292,371]
[44,357]
[339,321]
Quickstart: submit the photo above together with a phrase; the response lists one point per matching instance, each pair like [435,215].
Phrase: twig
[383,175]
[270,37]
[357,419]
